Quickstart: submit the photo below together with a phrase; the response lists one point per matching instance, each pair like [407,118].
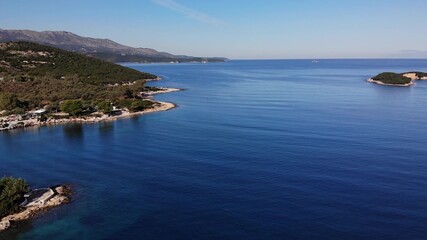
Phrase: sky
[238,29]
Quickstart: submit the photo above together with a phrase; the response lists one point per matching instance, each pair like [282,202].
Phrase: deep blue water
[256,150]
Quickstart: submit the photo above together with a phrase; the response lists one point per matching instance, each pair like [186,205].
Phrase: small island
[19,203]
[42,85]
[398,79]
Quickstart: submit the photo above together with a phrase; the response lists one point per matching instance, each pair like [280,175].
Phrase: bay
[271,149]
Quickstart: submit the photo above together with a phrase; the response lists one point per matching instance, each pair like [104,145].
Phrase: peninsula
[42,85]
[398,79]
[19,203]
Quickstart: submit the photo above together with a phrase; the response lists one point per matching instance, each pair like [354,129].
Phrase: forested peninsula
[42,84]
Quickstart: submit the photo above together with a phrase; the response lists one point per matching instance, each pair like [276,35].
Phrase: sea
[256,149]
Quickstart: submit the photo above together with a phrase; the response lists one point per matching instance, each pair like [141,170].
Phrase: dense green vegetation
[12,192]
[134,105]
[72,107]
[104,106]
[34,75]
[30,60]
[392,78]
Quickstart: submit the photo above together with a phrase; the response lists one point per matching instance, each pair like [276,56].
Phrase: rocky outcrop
[62,196]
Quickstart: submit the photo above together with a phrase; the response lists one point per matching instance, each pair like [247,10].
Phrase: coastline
[163,106]
[62,196]
[159,106]
[387,84]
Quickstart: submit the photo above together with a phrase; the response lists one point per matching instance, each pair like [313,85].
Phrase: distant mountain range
[104,49]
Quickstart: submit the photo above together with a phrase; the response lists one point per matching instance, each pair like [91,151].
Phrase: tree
[104,106]
[12,192]
[8,101]
[72,107]
[53,107]
[128,93]
[140,105]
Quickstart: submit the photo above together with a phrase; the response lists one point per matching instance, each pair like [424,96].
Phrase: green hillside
[33,75]
[31,59]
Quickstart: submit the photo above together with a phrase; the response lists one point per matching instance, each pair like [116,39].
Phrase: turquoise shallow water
[256,150]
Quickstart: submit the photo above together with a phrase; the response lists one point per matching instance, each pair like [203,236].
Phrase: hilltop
[104,49]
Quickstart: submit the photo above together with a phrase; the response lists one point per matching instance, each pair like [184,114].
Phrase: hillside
[104,49]
[33,75]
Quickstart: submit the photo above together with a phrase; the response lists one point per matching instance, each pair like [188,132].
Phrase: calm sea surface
[256,150]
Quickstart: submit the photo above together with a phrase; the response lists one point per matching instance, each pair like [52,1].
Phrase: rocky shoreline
[61,196]
[388,84]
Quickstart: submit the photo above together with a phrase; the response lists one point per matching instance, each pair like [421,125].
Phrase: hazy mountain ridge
[105,49]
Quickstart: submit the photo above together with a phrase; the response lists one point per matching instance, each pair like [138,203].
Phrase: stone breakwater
[61,196]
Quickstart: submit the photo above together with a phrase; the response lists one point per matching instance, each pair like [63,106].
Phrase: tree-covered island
[398,79]
[42,84]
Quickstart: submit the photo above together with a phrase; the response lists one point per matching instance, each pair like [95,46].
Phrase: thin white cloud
[189,12]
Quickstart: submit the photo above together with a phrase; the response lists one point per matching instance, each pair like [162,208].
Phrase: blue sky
[239,29]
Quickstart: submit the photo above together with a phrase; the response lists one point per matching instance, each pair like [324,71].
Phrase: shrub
[17,110]
[8,101]
[104,106]
[12,192]
[72,107]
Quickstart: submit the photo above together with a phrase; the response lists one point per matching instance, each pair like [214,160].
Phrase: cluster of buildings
[21,120]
